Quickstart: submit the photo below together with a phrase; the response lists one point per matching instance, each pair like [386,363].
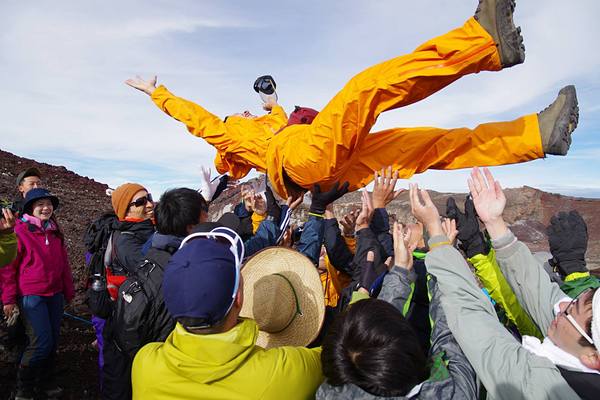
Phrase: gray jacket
[452,377]
[507,370]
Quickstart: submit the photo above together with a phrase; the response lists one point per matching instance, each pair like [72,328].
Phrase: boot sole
[566,123]
[508,36]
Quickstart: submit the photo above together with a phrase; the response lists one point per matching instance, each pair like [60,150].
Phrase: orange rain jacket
[338,144]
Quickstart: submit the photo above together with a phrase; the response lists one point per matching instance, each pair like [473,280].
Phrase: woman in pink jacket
[37,283]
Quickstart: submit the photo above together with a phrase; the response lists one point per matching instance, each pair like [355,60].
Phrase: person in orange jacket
[338,146]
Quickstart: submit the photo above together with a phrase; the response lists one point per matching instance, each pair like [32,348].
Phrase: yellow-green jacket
[488,272]
[8,248]
[228,365]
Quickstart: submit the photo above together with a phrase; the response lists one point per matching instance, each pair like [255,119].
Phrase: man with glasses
[134,208]
[566,363]
[140,316]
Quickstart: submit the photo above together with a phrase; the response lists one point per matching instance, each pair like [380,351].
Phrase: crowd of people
[361,307]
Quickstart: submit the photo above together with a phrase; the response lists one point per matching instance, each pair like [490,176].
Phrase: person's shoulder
[150,352]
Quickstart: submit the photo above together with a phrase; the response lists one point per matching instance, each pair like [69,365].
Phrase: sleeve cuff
[504,241]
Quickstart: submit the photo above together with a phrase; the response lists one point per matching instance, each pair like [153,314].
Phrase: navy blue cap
[201,281]
[37,194]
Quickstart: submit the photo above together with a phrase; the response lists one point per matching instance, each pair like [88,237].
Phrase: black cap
[33,171]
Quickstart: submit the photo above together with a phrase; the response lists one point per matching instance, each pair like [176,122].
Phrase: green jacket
[8,248]
[488,272]
[506,369]
[227,365]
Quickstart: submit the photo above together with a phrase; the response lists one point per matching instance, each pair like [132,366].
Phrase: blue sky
[64,102]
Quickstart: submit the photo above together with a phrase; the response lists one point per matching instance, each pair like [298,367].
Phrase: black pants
[116,384]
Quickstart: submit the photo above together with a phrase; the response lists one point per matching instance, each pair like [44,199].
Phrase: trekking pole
[75,317]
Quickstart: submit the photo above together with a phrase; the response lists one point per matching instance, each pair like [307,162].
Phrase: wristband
[316,215]
[433,246]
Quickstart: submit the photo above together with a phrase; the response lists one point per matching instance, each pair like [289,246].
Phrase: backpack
[97,239]
[140,315]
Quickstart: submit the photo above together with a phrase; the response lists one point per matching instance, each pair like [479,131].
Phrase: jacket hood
[167,243]
[209,358]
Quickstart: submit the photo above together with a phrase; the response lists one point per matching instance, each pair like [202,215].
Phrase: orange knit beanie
[122,196]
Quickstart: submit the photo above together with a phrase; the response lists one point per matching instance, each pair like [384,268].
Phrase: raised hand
[7,222]
[489,201]
[207,188]
[349,223]
[385,183]
[143,85]
[568,240]
[259,204]
[293,204]
[425,211]
[472,240]
[366,212]
[402,251]
[449,228]
[488,197]
[320,200]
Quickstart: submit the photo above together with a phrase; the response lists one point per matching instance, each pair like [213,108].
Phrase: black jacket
[128,240]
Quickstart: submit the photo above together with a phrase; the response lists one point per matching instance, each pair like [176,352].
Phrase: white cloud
[65,63]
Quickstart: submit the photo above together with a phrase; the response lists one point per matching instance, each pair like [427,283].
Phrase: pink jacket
[41,267]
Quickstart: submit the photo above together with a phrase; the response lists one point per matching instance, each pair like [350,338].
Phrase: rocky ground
[83,199]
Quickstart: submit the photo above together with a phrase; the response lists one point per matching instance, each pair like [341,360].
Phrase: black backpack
[97,239]
[140,315]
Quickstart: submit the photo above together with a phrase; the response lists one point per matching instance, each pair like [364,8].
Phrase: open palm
[488,197]
[146,86]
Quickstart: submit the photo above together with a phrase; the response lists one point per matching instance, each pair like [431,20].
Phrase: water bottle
[98,283]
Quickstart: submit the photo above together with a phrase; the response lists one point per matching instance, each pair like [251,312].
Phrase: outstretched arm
[198,120]
[531,284]
[514,371]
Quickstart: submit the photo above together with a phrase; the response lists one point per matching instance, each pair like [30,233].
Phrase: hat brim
[55,203]
[304,277]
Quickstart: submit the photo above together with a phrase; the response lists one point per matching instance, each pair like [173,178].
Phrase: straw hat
[284,295]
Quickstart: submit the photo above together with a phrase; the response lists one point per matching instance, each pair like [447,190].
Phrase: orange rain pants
[338,144]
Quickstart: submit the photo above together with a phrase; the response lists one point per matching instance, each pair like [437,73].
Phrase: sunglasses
[572,320]
[141,201]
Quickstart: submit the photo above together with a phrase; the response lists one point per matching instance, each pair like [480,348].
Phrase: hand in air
[143,85]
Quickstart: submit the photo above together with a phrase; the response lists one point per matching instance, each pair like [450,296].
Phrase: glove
[568,239]
[207,188]
[221,186]
[320,200]
[10,321]
[368,275]
[273,208]
[472,240]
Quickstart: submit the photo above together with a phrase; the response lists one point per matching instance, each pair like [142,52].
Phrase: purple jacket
[41,267]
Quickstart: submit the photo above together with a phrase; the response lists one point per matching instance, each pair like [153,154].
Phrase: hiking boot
[47,379]
[496,17]
[558,121]
[26,378]
[23,395]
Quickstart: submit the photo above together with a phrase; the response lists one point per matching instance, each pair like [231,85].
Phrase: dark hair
[373,346]
[177,209]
